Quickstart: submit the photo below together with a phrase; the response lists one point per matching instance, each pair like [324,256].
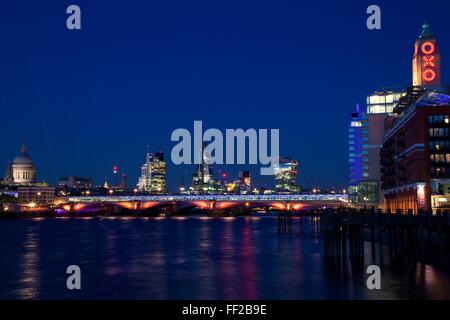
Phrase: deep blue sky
[85,100]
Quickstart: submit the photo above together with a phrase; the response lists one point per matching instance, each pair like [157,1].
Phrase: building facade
[415,158]
[203,181]
[145,179]
[245,182]
[366,133]
[416,153]
[153,174]
[383,101]
[285,173]
[360,191]
[35,196]
[73,184]
[380,105]
[158,174]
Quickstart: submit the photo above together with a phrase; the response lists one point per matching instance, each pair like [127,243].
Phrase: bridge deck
[237,198]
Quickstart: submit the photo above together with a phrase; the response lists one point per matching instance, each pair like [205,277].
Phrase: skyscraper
[153,174]
[245,182]
[286,176]
[203,180]
[158,174]
[360,190]
[145,179]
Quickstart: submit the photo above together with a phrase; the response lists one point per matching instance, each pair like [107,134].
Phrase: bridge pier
[417,237]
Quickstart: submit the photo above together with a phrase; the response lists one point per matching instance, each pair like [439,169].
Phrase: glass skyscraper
[286,176]
[361,190]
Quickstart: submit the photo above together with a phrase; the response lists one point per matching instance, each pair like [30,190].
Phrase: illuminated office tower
[245,182]
[360,190]
[203,180]
[286,176]
[145,179]
[158,174]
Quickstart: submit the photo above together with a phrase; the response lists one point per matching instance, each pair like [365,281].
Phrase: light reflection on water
[190,258]
[29,282]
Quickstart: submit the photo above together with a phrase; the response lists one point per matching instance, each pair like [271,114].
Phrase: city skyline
[22,171]
[105,116]
[223,157]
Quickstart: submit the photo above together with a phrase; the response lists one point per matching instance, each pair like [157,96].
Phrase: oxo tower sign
[426,61]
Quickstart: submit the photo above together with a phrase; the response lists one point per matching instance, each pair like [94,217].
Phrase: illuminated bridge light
[127,205]
[224,205]
[79,206]
[201,204]
[278,205]
[149,204]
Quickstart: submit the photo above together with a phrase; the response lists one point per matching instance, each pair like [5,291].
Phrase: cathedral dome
[23,168]
[23,158]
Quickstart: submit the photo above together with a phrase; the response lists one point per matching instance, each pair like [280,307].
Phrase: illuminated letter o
[425,48]
[429,75]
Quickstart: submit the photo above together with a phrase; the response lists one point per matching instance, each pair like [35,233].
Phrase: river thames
[191,258]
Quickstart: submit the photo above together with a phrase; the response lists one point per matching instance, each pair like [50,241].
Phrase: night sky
[86,100]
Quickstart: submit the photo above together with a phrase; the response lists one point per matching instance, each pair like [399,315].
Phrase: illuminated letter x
[428,61]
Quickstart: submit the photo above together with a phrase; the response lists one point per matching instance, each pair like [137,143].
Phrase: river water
[191,258]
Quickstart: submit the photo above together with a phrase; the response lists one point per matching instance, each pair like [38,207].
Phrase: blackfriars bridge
[213,204]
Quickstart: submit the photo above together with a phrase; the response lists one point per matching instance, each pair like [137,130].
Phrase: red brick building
[415,157]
